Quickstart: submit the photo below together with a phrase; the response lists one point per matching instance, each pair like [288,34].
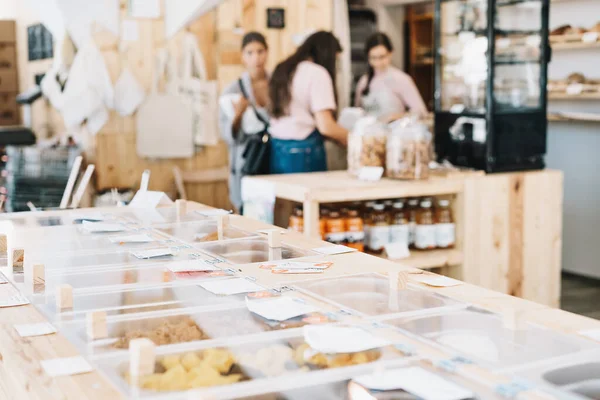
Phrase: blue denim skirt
[295,156]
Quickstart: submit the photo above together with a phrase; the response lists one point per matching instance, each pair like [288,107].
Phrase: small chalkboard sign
[275,18]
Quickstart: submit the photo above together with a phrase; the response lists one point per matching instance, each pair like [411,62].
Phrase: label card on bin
[397,251]
[371,174]
[333,250]
[152,253]
[66,366]
[192,266]
[39,329]
[140,238]
[213,213]
[280,308]
[417,381]
[438,281]
[227,287]
[341,339]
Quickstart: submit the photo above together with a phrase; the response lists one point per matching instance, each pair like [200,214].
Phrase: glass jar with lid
[367,144]
[355,233]
[445,228]
[379,229]
[399,225]
[335,231]
[296,221]
[408,150]
[425,232]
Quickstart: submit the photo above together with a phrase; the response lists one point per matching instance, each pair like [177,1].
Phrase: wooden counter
[509,226]
[21,376]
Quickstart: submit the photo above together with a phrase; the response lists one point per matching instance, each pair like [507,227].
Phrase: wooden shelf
[575,45]
[583,117]
[582,96]
[431,259]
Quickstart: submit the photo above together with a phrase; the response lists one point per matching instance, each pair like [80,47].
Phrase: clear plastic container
[253,364]
[84,261]
[118,301]
[408,150]
[124,277]
[489,339]
[200,232]
[574,377]
[367,145]
[248,251]
[159,216]
[370,295]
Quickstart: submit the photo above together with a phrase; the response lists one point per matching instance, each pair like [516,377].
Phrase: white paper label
[99,227]
[142,238]
[341,339]
[213,213]
[575,89]
[66,366]
[336,237]
[417,381]
[280,308]
[445,235]
[14,300]
[400,234]
[589,37]
[233,286]
[333,250]
[192,266]
[355,237]
[457,108]
[371,174]
[30,330]
[297,271]
[397,251]
[437,280]
[379,237]
[593,334]
[152,253]
[299,265]
[425,237]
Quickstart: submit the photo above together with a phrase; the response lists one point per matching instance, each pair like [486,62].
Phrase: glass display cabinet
[490,83]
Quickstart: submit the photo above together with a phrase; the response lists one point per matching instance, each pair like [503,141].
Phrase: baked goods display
[575,84]
[408,150]
[367,145]
[568,33]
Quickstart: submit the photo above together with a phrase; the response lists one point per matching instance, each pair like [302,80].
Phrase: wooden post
[64,297]
[274,238]
[275,254]
[222,224]
[311,219]
[37,276]
[181,206]
[18,260]
[142,357]
[96,325]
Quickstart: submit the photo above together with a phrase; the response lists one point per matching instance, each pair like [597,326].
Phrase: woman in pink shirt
[386,91]
[303,106]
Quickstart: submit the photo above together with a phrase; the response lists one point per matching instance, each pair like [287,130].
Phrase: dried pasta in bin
[367,145]
[408,150]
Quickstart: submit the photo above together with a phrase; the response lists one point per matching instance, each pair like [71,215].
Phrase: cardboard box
[8,31]
[9,109]
[8,56]
[8,81]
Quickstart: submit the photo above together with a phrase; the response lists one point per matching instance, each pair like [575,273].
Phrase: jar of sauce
[296,222]
[399,227]
[323,216]
[355,233]
[335,229]
[425,232]
[445,228]
[379,226]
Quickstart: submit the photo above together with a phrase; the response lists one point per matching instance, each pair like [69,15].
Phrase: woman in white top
[386,91]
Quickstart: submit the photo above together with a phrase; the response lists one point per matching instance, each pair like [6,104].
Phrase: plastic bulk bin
[489,338]
[370,295]
[162,215]
[243,365]
[200,232]
[248,251]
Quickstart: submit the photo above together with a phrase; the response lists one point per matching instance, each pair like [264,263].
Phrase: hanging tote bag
[164,120]
[257,154]
[200,93]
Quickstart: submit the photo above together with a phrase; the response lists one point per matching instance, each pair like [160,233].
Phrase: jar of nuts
[367,145]
[408,150]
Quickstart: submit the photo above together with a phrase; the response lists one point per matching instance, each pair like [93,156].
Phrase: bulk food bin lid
[130,276]
[575,376]
[200,232]
[237,367]
[249,251]
[490,339]
[203,322]
[371,295]
[80,261]
[136,299]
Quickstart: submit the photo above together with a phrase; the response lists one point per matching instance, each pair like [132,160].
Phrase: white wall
[8,9]
[573,146]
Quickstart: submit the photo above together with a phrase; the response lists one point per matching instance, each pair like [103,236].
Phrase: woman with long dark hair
[385,90]
[243,108]
[303,106]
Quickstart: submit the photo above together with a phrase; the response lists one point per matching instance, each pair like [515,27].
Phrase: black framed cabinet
[490,83]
